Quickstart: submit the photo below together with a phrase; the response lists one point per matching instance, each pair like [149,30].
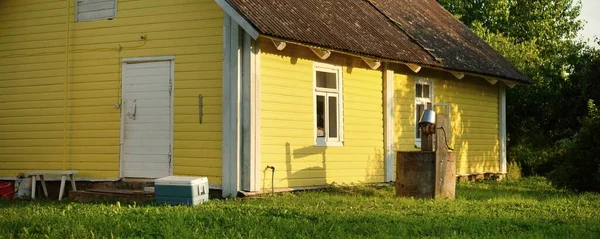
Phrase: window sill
[329,144]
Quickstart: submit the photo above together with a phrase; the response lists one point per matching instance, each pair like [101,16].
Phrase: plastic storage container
[176,190]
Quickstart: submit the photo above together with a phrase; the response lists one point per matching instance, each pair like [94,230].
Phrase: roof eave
[238,18]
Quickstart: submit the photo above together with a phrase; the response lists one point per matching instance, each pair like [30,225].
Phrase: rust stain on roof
[409,31]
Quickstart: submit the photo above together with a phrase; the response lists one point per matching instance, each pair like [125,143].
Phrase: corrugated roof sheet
[409,31]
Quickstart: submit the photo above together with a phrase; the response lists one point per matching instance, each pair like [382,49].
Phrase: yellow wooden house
[244,92]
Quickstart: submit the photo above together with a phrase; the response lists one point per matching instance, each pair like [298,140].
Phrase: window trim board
[329,68]
[419,100]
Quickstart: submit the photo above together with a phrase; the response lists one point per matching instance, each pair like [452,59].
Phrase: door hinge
[170,86]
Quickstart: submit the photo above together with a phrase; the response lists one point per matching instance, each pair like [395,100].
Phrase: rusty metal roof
[409,31]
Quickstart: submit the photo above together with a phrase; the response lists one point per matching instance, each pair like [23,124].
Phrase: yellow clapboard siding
[32,76]
[287,121]
[473,116]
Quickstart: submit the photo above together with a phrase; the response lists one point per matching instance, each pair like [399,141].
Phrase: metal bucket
[428,117]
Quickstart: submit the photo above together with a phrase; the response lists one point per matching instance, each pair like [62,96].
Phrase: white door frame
[124,62]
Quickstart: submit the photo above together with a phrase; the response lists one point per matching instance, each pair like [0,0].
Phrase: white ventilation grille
[89,10]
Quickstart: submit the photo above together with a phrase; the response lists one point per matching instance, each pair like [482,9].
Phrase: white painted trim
[238,18]
[389,124]
[250,115]
[502,127]
[324,67]
[124,63]
[147,59]
[231,108]
[122,136]
[255,116]
[172,123]
[427,81]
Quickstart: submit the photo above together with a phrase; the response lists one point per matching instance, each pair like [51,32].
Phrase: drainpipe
[66,90]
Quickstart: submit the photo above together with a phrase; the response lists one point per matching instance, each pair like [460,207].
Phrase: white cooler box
[177,190]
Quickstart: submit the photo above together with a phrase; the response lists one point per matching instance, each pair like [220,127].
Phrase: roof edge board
[238,18]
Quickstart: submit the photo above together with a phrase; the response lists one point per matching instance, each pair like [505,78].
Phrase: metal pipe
[272,179]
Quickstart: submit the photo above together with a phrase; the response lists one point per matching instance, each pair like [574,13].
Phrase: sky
[591,13]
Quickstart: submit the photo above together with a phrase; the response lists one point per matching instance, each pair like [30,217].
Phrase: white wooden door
[146,120]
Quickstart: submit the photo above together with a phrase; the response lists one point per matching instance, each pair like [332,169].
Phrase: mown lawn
[528,208]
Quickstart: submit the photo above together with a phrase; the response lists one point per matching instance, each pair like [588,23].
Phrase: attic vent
[89,10]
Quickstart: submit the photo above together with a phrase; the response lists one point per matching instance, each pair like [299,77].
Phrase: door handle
[132,115]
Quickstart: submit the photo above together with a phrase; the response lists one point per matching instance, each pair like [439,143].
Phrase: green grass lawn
[510,209]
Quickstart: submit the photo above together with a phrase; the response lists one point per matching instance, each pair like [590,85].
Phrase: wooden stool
[42,174]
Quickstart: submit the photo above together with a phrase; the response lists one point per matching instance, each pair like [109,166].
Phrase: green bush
[577,167]
[533,160]
[513,171]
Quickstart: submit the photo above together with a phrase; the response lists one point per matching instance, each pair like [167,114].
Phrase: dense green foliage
[540,38]
[578,165]
[528,208]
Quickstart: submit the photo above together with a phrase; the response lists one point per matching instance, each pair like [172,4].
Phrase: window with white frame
[423,101]
[90,10]
[328,105]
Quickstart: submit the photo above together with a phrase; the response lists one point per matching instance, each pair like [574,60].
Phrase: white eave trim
[239,19]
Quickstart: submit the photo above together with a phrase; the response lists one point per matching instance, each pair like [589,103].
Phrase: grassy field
[528,208]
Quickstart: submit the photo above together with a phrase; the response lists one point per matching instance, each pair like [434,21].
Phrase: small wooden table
[41,175]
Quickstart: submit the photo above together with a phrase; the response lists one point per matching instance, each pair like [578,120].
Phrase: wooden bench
[42,174]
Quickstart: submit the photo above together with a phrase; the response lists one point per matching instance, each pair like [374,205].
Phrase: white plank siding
[147,138]
[89,10]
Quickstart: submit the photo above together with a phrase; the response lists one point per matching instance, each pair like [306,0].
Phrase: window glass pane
[333,130]
[420,109]
[419,91]
[326,80]
[425,91]
[320,116]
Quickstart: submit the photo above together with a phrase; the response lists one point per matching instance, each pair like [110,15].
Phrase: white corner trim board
[239,19]
[390,157]
[250,117]
[502,123]
[230,147]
